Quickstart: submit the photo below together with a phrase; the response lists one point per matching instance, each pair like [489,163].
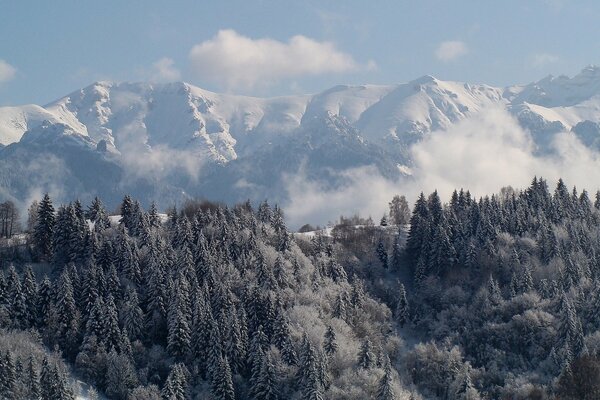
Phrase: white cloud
[451,50]
[164,70]
[366,192]
[235,61]
[7,71]
[543,59]
[484,153]
[491,150]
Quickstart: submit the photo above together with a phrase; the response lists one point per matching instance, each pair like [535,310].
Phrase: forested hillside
[493,298]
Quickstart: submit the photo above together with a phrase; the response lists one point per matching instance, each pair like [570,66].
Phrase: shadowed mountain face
[167,142]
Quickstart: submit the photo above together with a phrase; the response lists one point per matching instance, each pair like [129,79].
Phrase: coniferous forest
[475,298]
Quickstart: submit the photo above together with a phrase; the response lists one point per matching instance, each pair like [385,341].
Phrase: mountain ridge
[175,140]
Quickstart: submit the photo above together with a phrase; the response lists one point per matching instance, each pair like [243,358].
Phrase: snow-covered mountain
[164,142]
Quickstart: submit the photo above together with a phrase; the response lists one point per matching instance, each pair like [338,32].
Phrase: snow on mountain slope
[348,102]
[423,105]
[164,142]
[15,121]
[176,115]
[560,91]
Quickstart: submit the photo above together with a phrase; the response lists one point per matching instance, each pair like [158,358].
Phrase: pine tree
[382,254]
[127,214]
[419,226]
[396,262]
[176,385]
[179,331]
[66,309]
[98,215]
[153,217]
[30,293]
[17,305]
[235,347]
[43,230]
[340,307]
[312,389]
[366,358]
[308,371]
[111,334]
[385,390]
[266,385]
[330,345]
[526,279]
[402,306]
[48,385]
[570,329]
[8,376]
[221,381]
[32,381]
[132,316]
[45,301]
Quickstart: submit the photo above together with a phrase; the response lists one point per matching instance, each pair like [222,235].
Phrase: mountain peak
[589,72]
[426,79]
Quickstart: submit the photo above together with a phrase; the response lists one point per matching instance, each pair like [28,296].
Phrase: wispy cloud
[164,70]
[542,59]
[7,71]
[235,61]
[451,50]
[160,71]
[365,192]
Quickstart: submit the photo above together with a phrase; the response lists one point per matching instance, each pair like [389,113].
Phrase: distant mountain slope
[165,142]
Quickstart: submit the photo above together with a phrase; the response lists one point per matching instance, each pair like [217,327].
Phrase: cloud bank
[235,61]
[484,153]
[491,150]
[451,50]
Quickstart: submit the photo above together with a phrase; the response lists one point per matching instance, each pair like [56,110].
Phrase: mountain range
[168,142]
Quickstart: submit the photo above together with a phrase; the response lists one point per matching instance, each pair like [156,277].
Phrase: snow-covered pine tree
[43,230]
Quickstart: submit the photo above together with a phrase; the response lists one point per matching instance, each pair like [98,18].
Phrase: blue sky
[264,48]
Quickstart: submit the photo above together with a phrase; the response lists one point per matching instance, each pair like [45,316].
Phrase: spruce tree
[43,231]
[382,254]
[366,358]
[402,306]
[30,293]
[32,380]
[221,381]
[330,345]
[264,384]
[385,390]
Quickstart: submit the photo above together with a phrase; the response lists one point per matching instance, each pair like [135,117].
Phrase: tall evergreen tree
[221,381]
[330,345]
[402,306]
[43,231]
[385,390]
[366,358]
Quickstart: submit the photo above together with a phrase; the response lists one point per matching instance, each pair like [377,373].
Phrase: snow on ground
[114,219]
[327,231]
[311,234]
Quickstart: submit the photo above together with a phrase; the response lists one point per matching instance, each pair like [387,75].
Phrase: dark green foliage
[43,231]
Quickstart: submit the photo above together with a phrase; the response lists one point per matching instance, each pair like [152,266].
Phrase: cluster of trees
[27,371]
[210,302]
[499,297]
[506,288]
[9,219]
